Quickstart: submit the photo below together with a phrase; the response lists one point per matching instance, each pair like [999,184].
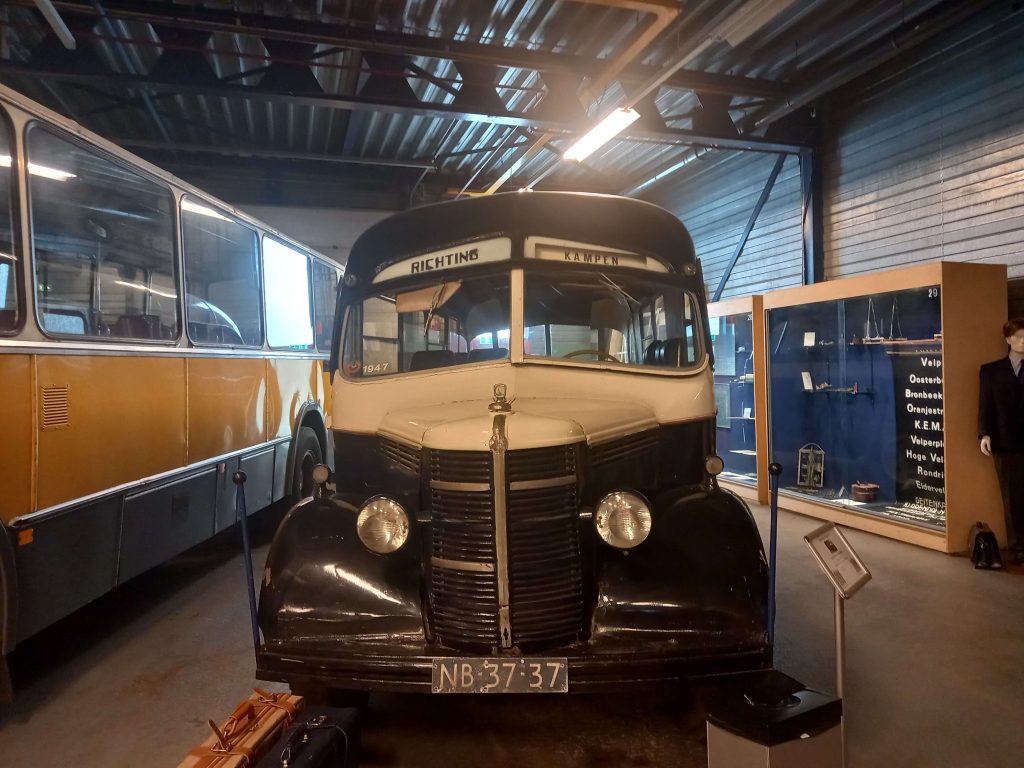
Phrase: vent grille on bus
[643,447]
[405,456]
[56,408]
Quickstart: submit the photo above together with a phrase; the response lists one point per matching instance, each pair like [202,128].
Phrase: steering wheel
[596,352]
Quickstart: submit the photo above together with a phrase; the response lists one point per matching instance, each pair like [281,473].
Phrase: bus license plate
[484,675]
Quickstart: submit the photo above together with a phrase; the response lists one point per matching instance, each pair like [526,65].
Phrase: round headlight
[623,519]
[382,525]
[714,464]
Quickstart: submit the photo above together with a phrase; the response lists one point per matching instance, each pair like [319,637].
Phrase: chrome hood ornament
[500,404]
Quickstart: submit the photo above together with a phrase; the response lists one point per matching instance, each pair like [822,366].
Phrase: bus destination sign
[586,256]
[480,252]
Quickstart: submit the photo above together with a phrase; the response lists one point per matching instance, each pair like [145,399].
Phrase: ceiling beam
[383,41]
[670,136]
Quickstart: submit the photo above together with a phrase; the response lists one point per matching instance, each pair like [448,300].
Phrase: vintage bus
[152,341]
[526,494]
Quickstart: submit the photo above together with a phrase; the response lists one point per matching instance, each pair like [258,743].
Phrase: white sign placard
[837,559]
[469,254]
[586,256]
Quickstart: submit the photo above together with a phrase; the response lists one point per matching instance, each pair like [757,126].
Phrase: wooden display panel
[754,306]
[973,309]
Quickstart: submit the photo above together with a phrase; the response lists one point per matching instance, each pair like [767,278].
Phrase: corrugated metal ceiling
[422,98]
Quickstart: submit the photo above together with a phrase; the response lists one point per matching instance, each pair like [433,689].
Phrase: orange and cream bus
[152,341]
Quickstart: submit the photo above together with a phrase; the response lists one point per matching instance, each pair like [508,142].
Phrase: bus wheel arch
[309,448]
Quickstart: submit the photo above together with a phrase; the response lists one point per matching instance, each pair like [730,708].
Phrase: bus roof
[617,222]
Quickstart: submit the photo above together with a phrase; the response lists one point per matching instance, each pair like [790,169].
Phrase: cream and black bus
[526,497]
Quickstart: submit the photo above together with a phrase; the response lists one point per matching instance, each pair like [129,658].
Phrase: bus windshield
[442,324]
[626,320]
[614,318]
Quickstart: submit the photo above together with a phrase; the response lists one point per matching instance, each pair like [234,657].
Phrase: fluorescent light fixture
[601,133]
[146,288]
[202,210]
[40,170]
[56,23]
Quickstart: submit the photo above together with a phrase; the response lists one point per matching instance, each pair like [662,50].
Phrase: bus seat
[431,358]
[652,352]
[8,319]
[461,357]
[668,352]
[479,355]
[137,327]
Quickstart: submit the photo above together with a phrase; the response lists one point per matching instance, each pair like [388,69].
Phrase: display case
[737,336]
[873,393]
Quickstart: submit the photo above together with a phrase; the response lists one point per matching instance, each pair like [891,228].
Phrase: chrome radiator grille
[544,571]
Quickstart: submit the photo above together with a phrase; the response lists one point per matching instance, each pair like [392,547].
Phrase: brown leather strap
[279,701]
[214,757]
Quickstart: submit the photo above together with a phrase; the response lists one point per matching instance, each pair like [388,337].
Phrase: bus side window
[103,239]
[8,261]
[325,294]
[222,277]
[287,296]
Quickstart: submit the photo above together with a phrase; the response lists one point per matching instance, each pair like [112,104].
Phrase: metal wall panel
[714,197]
[927,163]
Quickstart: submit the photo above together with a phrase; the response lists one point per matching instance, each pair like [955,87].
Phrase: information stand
[847,573]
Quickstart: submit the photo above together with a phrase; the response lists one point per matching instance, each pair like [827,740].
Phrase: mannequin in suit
[1001,429]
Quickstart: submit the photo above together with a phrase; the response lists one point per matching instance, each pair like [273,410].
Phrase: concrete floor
[935,675]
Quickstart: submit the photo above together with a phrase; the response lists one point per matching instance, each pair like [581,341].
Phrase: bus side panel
[16,444]
[226,402]
[64,562]
[259,484]
[165,521]
[124,422]
[291,382]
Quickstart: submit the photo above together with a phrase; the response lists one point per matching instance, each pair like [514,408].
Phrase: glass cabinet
[873,399]
[857,402]
[741,434]
[732,339]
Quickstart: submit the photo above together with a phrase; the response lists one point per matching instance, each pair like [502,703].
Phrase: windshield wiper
[433,308]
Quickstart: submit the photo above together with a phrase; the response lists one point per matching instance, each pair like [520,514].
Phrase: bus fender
[703,559]
[320,581]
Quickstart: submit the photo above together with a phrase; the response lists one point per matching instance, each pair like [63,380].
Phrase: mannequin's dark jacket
[1001,407]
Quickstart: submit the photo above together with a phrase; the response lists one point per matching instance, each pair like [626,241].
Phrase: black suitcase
[983,547]
[318,737]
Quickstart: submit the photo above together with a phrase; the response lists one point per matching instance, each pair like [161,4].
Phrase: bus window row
[105,264]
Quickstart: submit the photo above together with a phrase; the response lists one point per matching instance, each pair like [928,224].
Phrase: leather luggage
[247,734]
[319,737]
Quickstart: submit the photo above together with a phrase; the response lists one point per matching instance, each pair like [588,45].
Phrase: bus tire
[308,454]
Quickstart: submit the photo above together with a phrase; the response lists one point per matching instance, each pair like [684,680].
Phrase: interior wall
[926,162]
[714,197]
[330,231]
[922,161]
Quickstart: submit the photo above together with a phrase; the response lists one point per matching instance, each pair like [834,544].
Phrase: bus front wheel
[307,455]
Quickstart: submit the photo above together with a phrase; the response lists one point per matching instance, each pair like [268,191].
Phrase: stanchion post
[239,479]
[840,616]
[774,470]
